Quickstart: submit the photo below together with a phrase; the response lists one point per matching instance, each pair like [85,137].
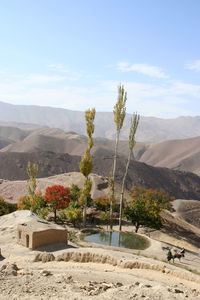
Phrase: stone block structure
[37,233]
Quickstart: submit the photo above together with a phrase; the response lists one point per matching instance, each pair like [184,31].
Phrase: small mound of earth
[11,191]
[17,217]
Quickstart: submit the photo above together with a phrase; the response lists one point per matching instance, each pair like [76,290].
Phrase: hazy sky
[74,53]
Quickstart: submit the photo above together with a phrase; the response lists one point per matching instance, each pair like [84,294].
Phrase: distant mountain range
[151,130]
[176,154]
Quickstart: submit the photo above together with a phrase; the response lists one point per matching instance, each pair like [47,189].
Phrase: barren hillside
[174,183]
[176,154]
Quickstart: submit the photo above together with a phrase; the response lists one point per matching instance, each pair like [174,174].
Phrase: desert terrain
[177,154]
[94,272]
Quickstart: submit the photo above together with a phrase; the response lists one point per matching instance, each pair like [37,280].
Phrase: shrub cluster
[6,208]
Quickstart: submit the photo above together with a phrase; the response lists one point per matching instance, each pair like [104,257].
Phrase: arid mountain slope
[150,129]
[188,210]
[12,134]
[4,143]
[175,154]
[174,183]
[58,141]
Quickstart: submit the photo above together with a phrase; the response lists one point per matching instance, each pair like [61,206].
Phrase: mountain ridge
[175,154]
[150,129]
[182,185]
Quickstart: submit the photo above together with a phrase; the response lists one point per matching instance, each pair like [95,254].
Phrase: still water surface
[118,239]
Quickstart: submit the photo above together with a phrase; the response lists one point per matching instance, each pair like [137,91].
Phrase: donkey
[178,255]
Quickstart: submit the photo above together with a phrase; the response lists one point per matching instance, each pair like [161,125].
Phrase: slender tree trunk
[137,227]
[85,209]
[122,191]
[115,157]
[84,212]
[55,215]
[113,178]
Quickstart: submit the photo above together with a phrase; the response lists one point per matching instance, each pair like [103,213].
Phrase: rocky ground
[82,271]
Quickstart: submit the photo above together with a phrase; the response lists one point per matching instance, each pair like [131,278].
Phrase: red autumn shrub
[57,197]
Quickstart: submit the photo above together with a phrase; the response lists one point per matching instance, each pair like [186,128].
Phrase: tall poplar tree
[86,163]
[119,112]
[131,143]
[32,171]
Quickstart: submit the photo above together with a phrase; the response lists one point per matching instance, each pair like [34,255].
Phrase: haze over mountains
[176,154]
[57,151]
[150,129]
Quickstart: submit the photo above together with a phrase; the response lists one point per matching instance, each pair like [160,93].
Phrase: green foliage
[62,215]
[6,208]
[145,207]
[85,193]
[86,161]
[32,171]
[131,143]
[89,117]
[43,212]
[133,128]
[73,215]
[86,164]
[36,204]
[105,216]
[119,110]
[24,202]
[75,192]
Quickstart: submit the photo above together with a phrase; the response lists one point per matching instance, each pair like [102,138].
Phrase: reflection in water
[105,238]
[119,239]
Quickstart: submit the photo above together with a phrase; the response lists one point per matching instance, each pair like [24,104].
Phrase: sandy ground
[94,272]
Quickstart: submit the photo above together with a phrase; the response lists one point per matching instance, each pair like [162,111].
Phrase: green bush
[24,202]
[43,212]
[36,204]
[74,215]
[62,215]
[75,192]
[105,216]
[75,197]
[6,208]
[145,207]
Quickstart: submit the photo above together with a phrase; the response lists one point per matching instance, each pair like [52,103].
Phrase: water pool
[118,239]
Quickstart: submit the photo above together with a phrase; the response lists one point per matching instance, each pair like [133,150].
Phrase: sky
[74,54]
